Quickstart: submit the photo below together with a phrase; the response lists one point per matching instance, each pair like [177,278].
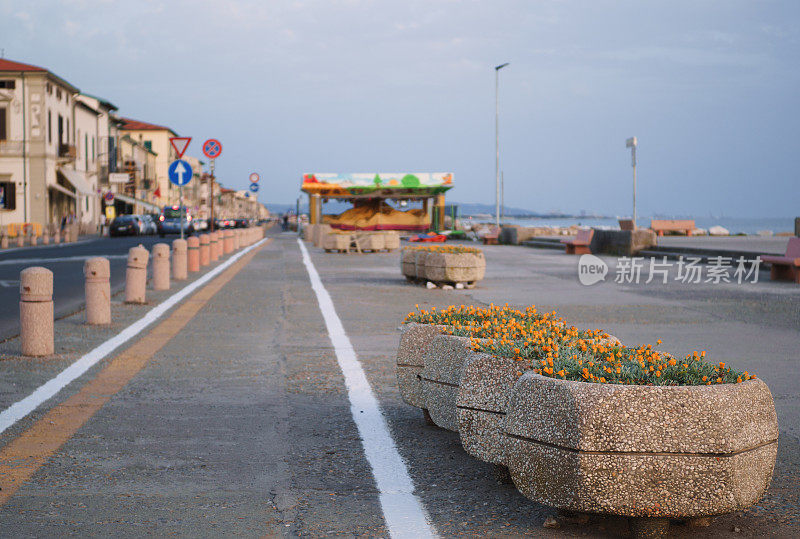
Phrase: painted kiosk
[373,223]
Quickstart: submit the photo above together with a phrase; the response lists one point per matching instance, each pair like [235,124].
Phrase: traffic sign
[109,197]
[254,187]
[212,148]
[179,144]
[180,172]
[247,195]
[254,177]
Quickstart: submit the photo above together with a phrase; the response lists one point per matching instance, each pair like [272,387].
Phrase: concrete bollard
[193,254]
[57,236]
[179,259]
[205,248]
[218,247]
[45,237]
[20,239]
[237,239]
[136,275]
[97,272]
[3,242]
[36,311]
[212,246]
[34,239]
[160,266]
[227,242]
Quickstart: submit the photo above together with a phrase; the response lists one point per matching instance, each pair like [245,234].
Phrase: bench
[660,226]
[580,244]
[490,239]
[626,224]
[785,267]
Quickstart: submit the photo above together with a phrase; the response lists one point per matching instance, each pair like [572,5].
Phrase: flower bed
[585,423]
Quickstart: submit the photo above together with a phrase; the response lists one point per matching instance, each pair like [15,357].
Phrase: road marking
[20,409]
[24,455]
[8,284]
[18,261]
[404,513]
[48,246]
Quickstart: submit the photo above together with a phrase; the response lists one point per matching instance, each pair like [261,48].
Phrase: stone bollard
[136,275]
[227,242]
[237,239]
[98,291]
[205,247]
[193,254]
[20,239]
[57,236]
[3,241]
[36,311]
[34,239]
[160,266]
[45,237]
[179,259]
[215,245]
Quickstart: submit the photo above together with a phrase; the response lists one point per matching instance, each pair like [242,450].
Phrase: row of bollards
[188,256]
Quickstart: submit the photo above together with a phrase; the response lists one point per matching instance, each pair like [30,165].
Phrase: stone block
[441,377]
[415,340]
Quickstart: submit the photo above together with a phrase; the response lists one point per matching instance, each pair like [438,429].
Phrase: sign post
[180,173]
[632,143]
[212,148]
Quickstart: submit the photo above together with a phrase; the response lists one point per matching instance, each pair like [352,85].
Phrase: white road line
[20,409]
[48,246]
[19,261]
[404,513]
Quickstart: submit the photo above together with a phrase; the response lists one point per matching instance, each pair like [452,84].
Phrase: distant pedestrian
[285,222]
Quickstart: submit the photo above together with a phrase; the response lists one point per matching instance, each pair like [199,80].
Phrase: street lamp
[632,143]
[497,142]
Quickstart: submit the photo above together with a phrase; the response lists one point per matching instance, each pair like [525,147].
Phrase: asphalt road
[240,425]
[66,262]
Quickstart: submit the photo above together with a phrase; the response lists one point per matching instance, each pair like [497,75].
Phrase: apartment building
[39,181]
[155,138]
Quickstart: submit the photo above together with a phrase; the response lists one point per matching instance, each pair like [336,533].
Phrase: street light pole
[632,143]
[497,142]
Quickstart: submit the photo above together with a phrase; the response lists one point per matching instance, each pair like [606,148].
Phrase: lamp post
[632,143]
[497,142]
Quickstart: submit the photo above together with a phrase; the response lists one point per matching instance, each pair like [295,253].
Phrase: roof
[130,124]
[104,102]
[87,107]
[9,65]
[12,66]
[226,190]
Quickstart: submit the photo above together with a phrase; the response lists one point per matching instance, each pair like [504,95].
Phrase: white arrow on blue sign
[180,172]
[254,187]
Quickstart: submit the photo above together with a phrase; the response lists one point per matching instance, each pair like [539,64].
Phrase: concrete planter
[485,390]
[408,264]
[308,232]
[372,242]
[415,341]
[641,451]
[455,267]
[391,240]
[336,242]
[419,264]
[441,378]
[319,233]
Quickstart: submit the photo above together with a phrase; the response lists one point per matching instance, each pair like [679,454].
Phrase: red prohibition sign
[212,148]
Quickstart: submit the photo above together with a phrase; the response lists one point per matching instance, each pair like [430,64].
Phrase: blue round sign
[254,187]
[180,172]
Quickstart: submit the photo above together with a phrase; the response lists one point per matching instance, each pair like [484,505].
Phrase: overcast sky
[709,87]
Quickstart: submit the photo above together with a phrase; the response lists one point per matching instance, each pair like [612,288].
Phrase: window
[8,84]
[94,155]
[8,196]
[3,131]
[67,141]
[148,144]
[58,94]
[49,127]
[86,149]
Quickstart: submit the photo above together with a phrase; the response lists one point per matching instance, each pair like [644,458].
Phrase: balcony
[67,151]
[10,148]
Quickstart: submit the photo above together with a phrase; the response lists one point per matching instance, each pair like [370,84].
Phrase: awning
[78,181]
[131,200]
[57,187]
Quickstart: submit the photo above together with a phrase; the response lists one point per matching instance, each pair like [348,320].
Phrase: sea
[735,225]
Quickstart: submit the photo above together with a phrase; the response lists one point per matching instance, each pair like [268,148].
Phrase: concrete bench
[580,244]
[785,267]
[660,226]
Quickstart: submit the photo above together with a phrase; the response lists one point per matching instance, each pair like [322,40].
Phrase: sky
[709,88]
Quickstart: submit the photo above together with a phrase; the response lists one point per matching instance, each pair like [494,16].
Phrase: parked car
[125,225]
[169,222]
[150,226]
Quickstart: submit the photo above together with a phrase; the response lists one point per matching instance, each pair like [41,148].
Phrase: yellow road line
[24,455]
